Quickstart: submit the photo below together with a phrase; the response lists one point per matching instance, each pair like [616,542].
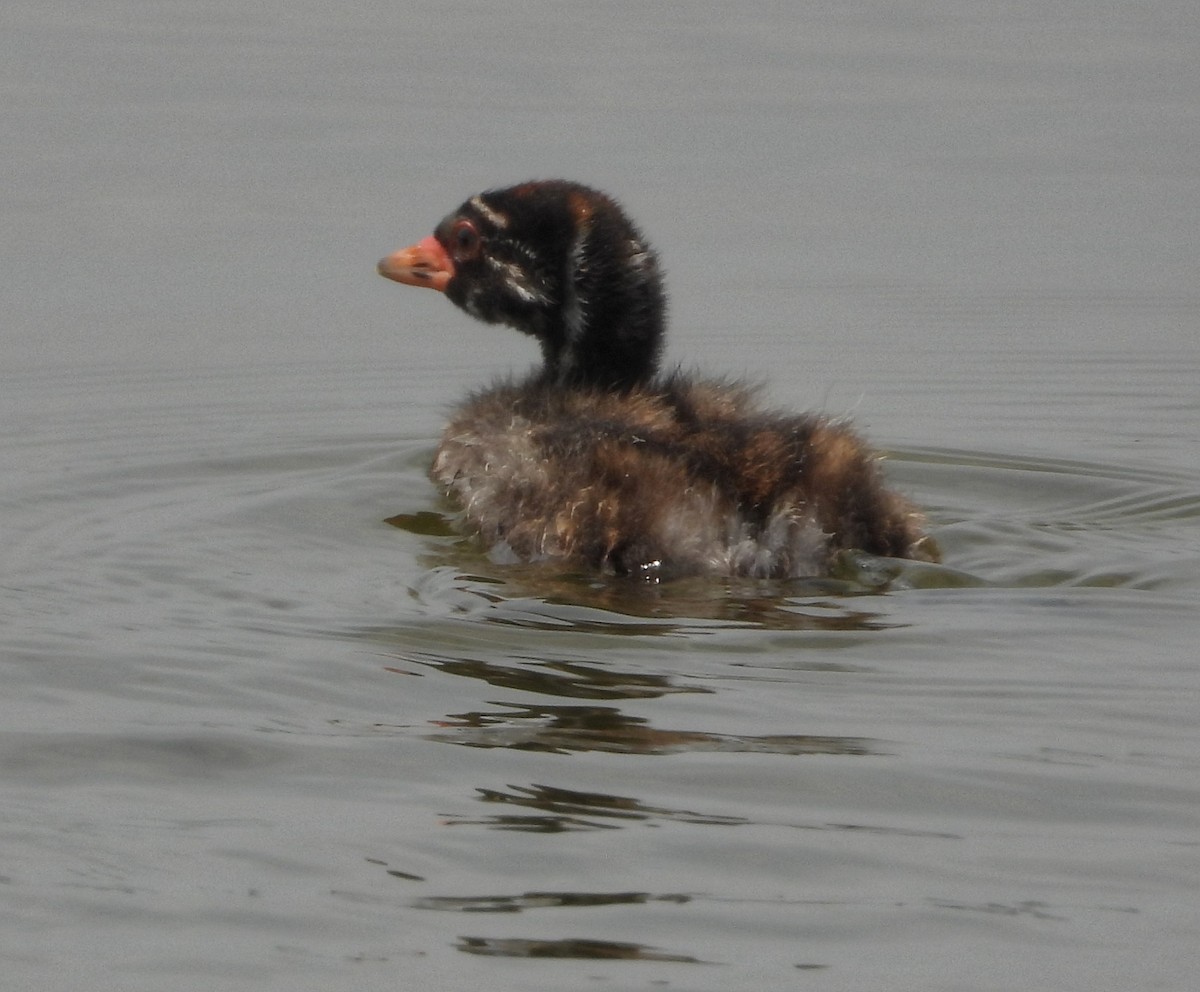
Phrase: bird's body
[597,458]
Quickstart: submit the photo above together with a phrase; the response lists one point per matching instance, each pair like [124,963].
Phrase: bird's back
[678,477]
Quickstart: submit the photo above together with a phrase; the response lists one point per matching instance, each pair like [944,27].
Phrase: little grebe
[598,458]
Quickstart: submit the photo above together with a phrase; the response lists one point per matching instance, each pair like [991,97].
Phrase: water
[256,736]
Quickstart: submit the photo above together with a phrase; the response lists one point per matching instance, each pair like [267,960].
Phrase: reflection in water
[542,900]
[538,597]
[605,950]
[569,809]
[424,523]
[545,596]
[604,728]
[564,679]
[1030,907]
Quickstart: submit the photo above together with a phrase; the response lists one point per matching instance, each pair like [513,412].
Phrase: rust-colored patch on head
[580,207]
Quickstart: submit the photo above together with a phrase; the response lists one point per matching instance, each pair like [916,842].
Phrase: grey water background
[253,736]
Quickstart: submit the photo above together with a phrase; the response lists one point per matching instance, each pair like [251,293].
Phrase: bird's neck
[608,328]
[601,358]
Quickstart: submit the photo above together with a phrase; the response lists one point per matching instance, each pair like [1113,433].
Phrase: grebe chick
[595,457]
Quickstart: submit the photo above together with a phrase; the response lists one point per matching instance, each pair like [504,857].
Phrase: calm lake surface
[270,723]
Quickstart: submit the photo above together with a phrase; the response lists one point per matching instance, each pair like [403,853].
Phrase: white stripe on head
[489,214]
[471,303]
[515,279]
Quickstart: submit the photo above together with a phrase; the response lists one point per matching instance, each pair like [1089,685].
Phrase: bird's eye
[464,239]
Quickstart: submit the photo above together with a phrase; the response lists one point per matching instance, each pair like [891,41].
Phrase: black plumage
[599,458]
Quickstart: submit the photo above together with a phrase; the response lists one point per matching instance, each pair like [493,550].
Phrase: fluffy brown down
[680,477]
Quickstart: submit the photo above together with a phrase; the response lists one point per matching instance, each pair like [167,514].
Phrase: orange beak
[423,264]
